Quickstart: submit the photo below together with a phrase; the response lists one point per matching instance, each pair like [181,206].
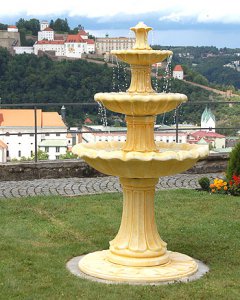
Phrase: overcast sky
[222,16]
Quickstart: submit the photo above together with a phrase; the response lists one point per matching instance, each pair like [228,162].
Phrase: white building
[12,28]
[20,122]
[22,50]
[213,139]
[72,45]
[208,121]
[43,25]
[105,45]
[46,34]
[94,133]
[178,72]
[56,46]
[75,46]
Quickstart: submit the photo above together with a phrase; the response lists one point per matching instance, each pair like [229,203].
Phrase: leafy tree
[68,155]
[41,155]
[31,26]
[3,26]
[234,162]
[60,25]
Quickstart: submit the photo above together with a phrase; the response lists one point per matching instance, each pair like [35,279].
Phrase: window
[31,153]
[167,141]
[57,156]
[47,149]
[57,134]
[47,134]
[31,134]
[57,149]
[19,153]
[7,153]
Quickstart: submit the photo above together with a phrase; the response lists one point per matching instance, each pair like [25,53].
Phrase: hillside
[31,79]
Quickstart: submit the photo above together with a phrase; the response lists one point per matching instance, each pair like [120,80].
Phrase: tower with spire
[208,120]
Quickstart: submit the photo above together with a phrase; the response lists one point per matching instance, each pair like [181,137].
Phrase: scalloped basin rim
[107,158]
[111,150]
[142,51]
[124,96]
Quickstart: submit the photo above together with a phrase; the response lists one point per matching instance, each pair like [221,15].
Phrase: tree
[41,155]
[234,162]
[60,25]
[3,26]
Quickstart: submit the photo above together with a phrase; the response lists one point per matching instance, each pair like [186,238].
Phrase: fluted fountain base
[97,265]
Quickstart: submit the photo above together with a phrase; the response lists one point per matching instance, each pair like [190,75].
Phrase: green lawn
[39,235]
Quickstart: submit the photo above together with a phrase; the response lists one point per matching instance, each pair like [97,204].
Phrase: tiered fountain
[137,253]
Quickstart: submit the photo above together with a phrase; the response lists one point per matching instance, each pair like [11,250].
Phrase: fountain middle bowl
[108,158]
[140,104]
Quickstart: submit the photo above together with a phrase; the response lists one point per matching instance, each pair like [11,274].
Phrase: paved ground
[83,186]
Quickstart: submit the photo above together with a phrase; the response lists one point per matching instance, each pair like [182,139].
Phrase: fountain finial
[141,31]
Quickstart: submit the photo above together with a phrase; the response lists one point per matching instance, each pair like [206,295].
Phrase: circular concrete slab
[72,266]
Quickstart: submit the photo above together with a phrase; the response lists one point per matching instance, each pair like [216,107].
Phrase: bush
[204,182]
[234,162]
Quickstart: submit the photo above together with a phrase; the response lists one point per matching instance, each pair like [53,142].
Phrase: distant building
[215,140]
[46,34]
[58,47]
[22,50]
[208,122]
[12,28]
[94,133]
[63,45]
[106,44]
[10,38]
[20,122]
[178,72]
[43,25]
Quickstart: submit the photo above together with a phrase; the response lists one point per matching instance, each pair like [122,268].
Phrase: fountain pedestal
[138,242]
[137,253]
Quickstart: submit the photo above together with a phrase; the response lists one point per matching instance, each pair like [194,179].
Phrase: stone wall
[78,168]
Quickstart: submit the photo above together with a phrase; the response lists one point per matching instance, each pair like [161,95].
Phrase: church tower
[208,120]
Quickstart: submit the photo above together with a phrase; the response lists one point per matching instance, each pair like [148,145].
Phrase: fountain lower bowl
[139,104]
[108,158]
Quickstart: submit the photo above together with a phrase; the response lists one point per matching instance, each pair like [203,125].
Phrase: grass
[39,235]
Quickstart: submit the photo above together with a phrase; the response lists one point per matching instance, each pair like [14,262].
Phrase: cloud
[203,11]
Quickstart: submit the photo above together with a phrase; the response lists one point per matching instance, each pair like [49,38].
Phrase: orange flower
[225,188]
[212,185]
[213,190]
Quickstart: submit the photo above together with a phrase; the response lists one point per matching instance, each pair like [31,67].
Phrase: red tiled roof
[178,68]
[25,117]
[48,29]
[74,38]
[57,42]
[206,134]
[12,26]
[90,41]
[89,121]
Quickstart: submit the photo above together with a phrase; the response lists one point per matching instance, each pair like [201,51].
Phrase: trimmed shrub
[234,162]
[204,182]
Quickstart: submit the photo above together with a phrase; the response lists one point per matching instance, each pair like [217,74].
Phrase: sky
[175,22]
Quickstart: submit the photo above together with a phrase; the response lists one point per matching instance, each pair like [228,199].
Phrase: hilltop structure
[178,72]
[10,38]
[104,45]
[70,45]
